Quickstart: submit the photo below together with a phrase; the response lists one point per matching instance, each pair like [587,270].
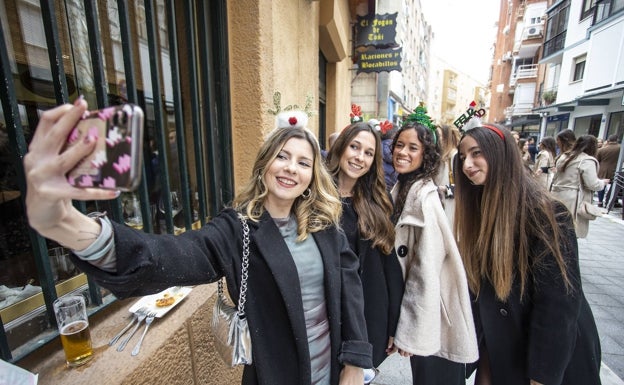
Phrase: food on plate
[165,301]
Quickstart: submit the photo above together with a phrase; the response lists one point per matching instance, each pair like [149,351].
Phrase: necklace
[345,194]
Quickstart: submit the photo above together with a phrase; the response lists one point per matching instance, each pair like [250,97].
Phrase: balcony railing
[517,110]
[555,44]
[525,71]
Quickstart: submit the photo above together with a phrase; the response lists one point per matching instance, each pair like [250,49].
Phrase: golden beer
[76,341]
[73,326]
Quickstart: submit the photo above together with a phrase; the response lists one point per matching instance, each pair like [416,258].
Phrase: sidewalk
[602,268]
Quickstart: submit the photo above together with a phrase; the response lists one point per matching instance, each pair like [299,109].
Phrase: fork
[148,322]
[135,317]
[125,341]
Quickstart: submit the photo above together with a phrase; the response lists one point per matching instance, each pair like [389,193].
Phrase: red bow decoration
[386,126]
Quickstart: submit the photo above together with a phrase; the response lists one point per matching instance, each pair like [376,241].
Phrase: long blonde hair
[318,210]
[449,140]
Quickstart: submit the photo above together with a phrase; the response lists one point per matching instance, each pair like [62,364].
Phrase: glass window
[579,68]
[587,125]
[616,125]
[588,8]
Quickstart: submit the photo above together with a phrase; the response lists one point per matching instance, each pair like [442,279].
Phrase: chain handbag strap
[242,295]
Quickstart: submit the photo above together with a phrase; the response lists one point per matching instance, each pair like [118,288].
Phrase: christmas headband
[293,119]
[472,118]
[356,117]
[420,116]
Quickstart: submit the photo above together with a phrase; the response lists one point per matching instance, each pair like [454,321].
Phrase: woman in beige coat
[435,327]
[577,179]
[545,161]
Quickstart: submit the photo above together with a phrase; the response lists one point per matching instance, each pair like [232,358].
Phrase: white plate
[149,301]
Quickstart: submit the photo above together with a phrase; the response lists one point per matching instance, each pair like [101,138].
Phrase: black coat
[550,335]
[382,282]
[149,263]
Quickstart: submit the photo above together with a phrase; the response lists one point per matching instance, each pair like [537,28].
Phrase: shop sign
[379,60]
[377,30]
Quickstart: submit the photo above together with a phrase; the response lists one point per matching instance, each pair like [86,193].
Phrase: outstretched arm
[49,195]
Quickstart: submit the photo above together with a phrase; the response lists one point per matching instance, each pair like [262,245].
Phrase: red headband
[496,130]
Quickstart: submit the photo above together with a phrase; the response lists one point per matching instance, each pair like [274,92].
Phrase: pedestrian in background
[565,141]
[355,162]
[448,140]
[607,158]
[435,327]
[523,145]
[521,257]
[388,131]
[545,161]
[577,179]
[533,148]
[304,296]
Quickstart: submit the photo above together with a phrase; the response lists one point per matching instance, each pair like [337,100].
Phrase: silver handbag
[229,323]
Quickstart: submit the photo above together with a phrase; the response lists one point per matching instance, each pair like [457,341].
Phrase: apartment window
[535,20]
[605,9]
[579,68]
[588,8]
[556,28]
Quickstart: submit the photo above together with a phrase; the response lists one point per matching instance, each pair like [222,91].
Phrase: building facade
[390,95]
[451,91]
[557,65]
[584,68]
[515,83]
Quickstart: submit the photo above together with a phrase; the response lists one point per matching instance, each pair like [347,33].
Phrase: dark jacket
[149,263]
[389,174]
[607,157]
[550,335]
[382,281]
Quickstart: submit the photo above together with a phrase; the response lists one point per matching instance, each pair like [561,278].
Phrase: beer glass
[73,324]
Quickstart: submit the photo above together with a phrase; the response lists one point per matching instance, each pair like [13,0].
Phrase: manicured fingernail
[117,193]
[78,100]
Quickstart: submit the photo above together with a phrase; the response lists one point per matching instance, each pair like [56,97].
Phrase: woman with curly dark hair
[435,327]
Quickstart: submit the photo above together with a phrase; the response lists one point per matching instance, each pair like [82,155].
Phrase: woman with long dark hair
[521,258]
[577,179]
[355,162]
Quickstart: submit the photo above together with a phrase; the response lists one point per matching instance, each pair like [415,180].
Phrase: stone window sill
[170,353]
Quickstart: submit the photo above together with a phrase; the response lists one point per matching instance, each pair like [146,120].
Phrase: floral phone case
[116,161]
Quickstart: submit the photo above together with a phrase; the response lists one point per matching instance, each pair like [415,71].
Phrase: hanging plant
[549,96]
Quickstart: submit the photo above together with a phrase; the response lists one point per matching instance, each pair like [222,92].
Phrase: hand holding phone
[115,163]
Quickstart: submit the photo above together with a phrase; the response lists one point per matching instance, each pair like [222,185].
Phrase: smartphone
[116,161]
[545,170]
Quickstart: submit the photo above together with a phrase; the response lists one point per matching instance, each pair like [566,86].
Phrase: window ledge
[178,349]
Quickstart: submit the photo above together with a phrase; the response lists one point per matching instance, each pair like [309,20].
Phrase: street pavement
[601,258]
